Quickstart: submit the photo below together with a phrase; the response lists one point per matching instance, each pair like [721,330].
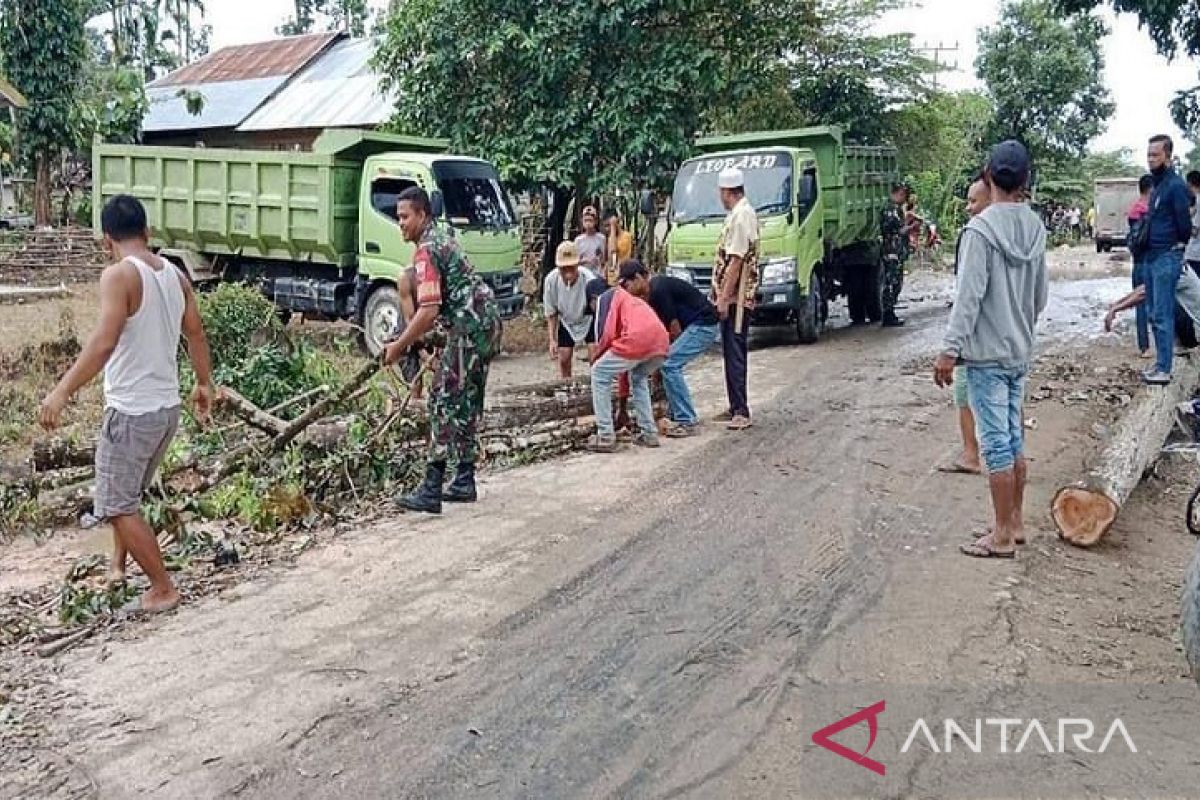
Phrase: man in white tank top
[145,304]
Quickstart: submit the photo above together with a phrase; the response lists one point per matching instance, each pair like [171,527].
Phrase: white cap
[731,178]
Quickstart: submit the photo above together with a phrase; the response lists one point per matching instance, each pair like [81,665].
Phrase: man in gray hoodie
[1002,288]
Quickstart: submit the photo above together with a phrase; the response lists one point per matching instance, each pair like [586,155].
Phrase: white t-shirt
[569,302]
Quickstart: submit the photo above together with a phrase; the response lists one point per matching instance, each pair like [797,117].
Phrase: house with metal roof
[272,95]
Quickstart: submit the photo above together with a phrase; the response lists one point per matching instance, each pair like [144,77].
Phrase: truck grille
[702,276]
[504,284]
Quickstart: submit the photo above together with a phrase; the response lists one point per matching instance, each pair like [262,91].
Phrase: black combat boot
[428,496]
[890,320]
[462,490]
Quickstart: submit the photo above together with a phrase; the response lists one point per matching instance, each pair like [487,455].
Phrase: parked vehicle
[819,202]
[316,230]
[1114,196]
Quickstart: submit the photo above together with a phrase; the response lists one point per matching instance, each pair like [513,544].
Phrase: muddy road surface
[678,622]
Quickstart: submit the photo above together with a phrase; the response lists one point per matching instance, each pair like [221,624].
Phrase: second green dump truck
[819,202]
[316,230]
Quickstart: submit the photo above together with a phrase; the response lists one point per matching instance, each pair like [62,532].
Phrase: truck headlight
[778,270]
[680,271]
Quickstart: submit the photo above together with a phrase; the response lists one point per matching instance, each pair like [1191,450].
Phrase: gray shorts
[127,456]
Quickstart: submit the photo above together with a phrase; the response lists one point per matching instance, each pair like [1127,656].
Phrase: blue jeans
[1162,275]
[997,396]
[690,345]
[1142,312]
[604,372]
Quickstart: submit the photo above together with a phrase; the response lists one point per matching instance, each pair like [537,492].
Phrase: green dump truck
[316,230]
[819,202]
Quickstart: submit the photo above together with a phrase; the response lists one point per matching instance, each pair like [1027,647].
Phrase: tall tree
[1174,25]
[44,49]
[837,70]
[349,16]
[156,36]
[942,145]
[1045,76]
[850,75]
[598,96]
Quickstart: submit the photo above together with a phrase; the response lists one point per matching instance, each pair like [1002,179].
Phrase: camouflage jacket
[446,278]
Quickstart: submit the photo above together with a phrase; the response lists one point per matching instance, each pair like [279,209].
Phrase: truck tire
[381,318]
[1189,617]
[809,318]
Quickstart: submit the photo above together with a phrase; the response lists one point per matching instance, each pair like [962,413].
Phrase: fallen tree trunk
[1084,512]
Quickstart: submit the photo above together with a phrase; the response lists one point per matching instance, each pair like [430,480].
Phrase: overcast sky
[1142,83]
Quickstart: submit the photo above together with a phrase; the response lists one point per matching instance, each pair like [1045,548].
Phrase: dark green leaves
[1046,77]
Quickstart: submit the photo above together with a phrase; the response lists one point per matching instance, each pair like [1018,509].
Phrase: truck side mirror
[647,205]
[438,202]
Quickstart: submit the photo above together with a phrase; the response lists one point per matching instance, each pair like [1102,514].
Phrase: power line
[937,58]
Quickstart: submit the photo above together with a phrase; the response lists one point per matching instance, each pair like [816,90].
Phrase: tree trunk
[41,191]
[1085,511]
[57,453]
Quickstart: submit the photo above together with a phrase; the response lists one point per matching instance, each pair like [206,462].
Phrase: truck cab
[468,199]
[818,205]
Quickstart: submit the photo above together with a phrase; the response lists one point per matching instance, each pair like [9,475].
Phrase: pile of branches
[345,447]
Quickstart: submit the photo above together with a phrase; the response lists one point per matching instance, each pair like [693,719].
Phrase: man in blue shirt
[1170,228]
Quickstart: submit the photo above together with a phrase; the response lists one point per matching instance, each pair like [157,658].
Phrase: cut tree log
[59,453]
[1084,512]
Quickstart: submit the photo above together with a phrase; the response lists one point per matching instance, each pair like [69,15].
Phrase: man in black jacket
[1170,228]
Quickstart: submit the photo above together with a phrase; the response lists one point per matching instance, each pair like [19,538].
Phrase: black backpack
[1138,239]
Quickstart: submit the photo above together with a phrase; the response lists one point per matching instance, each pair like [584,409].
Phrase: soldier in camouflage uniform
[456,308]
[895,253]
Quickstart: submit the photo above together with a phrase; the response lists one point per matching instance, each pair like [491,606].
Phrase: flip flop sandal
[958,469]
[977,550]
[976,535]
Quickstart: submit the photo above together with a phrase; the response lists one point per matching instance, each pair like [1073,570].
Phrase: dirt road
[679,622]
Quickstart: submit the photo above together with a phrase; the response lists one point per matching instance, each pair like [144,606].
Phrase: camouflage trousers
[893,282]
[457,392]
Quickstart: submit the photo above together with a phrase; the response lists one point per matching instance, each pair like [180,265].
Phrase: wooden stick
[249,413]
[743,277]
[66,642]
[364,374]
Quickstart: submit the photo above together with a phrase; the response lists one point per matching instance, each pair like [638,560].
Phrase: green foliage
[81,600]
[603,96]
[44,50]
[250,352]
[1174,25]
[1046,78]
[232,314]
[330,15]
[846,74]
[271,375]
[942,147]
[155,36]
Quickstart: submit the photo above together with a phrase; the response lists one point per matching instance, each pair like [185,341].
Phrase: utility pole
[937,58]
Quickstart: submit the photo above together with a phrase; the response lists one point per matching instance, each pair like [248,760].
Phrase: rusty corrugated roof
[279,57]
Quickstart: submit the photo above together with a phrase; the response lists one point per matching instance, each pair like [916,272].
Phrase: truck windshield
[768,185]
[473,195]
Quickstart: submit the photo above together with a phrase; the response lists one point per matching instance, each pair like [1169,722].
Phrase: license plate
[779,298]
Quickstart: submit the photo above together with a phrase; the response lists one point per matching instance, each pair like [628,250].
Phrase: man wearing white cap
[736,269]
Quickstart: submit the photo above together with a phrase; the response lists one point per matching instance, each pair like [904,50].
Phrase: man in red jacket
[630,338]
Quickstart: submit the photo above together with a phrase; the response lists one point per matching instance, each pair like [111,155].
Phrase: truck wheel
[381,318]
[808,318]
[1099,246]
[1189,618]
